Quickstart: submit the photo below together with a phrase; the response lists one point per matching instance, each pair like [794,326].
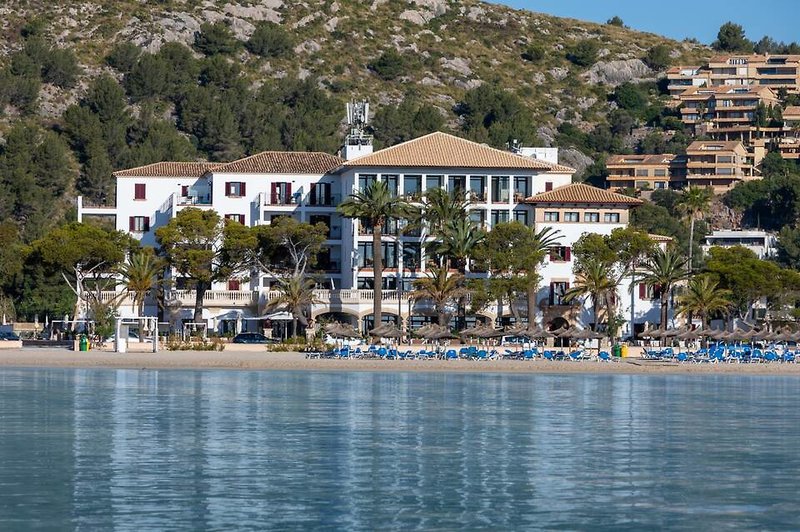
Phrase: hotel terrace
[503,186]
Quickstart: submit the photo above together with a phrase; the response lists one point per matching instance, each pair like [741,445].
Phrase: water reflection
[231,450]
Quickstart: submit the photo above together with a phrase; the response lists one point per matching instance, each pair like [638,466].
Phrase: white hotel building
[503,186]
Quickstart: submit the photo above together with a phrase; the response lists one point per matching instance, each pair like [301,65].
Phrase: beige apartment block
[773,71]
[646,172]
[727,113]
[718,164]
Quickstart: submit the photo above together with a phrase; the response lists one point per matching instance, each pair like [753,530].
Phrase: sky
[679,19]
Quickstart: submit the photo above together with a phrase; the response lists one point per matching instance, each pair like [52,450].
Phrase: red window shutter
[139,191]
[566,286]
[642,291]
[233,284]
[147,223]
[185,190]
[241,219]
[288,192]
[548,186]
[567,253]
[552,293]
[274,193]
[132,224]
[227,189]
[242,189]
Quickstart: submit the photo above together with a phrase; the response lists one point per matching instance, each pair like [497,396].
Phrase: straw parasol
[653,333]
[387,330]
[471,331]
[537,332]
[340,330]
[740,334]
[689,335]
[763,334]
[586,334]
[490,332]
[435,332]
[784,336]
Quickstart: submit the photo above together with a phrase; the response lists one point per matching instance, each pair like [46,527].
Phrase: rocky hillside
[90,87]
[450,46]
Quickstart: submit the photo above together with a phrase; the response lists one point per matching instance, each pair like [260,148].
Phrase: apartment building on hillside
[773,71]
[728,113]
[718,164]
[646,172]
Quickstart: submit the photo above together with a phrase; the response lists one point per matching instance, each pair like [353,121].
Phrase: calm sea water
[149,450]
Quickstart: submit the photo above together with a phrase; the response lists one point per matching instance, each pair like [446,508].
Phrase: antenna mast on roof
[357,142]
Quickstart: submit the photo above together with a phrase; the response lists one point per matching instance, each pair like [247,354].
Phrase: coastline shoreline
[288,361]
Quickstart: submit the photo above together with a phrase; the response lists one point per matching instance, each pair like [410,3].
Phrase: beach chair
[549,355]
[451,354]
[528,354]
[682,357]
[481,354]
[604,356]
[576,355]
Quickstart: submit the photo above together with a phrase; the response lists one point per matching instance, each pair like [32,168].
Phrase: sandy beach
[240,360]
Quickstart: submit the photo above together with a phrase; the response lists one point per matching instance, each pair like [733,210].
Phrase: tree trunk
[691,243]
[377,274]
[664,306]
[441,318]
[294,327]
[199,295]
[595,311]
[531,294]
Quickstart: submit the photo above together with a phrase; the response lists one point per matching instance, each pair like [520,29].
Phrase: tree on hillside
[615,21]
[270,40]
[374,207]
[731,38]
[390,65]
[658,57]
[215,38]
[584,52]
[494,115]
[205,249]
[408,120]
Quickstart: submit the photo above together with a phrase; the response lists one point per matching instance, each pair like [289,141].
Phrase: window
[478,216]
[185,191]
[365,255]
[457,183]
[477,187]
[557,291]
[560,254]
[139,191]
[521,187]
[611,217]
[412,185]
[550,216]
[498,217]
[412,256]
[139,224]
[648,293]
[521,217]
[592,217]
[660,172]
[572,217]
[281,194]
[500,191]
[234,284]
[433,181]
[393,183]
[235,217]
[641,172]
[364,181]
[234,189]
[320,194]
[548,186]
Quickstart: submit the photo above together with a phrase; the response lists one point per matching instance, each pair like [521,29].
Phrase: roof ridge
[209,164]
[601,195]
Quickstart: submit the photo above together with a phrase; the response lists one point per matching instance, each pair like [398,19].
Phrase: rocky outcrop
[575,159]
[615,73]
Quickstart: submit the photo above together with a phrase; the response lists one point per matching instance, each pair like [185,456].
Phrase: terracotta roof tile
[661,158]
[582,193]
[168,169]
[283,162]
[441,150]
[660,238]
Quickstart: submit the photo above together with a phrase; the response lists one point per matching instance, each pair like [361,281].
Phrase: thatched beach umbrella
[784,336]
[387,330]
[340,330]
[490,332]
[471,331]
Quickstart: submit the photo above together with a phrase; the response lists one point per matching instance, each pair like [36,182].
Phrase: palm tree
[458,241]
[704,297]
[140,276]
[537,249]
[375,206]
[442,289]
[596,281]
[441,208]
[663,269]
[296,296]
[693,203]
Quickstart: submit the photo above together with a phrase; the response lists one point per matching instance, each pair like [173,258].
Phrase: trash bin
[83,345]
[616,350]
[624,351]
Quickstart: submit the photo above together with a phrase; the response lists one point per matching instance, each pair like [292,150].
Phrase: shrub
[216,38]
[583,53]
[390,65]
[533,53]
[123,56]
[658,57]
[615,21]
[270,40]
[61,68]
